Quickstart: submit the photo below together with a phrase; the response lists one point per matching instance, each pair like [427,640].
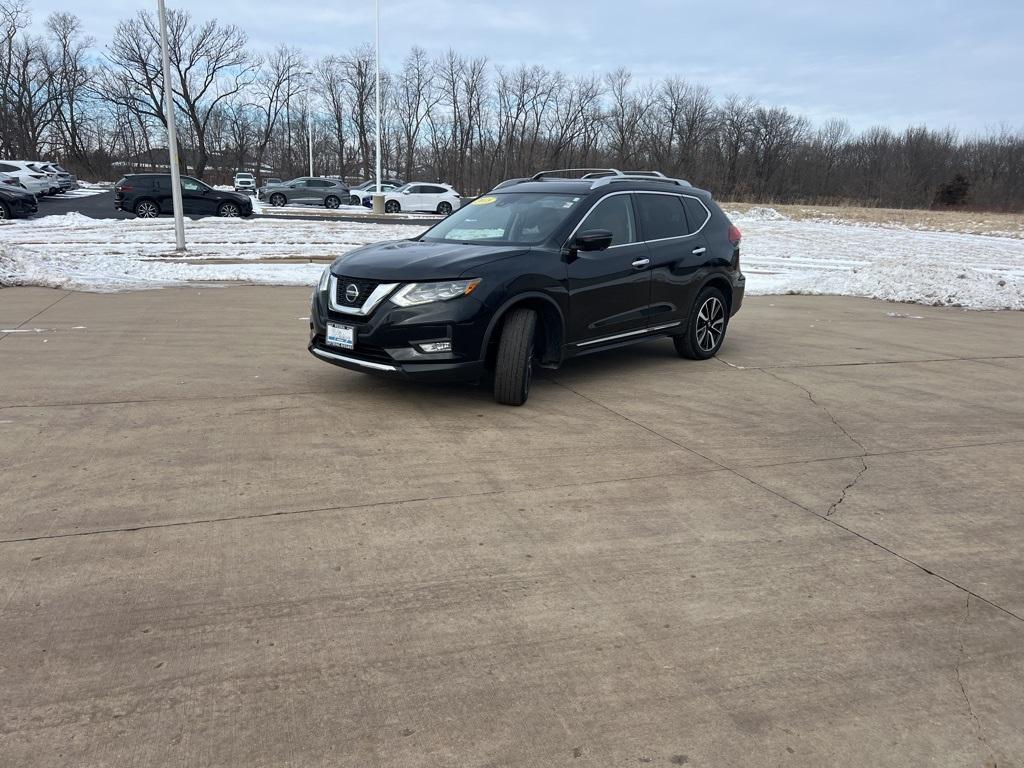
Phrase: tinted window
[192,185]
[615,214]
[695,212]
[320,184]
[435,190]
[8,168]
[661,216]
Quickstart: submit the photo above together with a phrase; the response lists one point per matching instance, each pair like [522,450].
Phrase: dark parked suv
[148,195]
[538,271]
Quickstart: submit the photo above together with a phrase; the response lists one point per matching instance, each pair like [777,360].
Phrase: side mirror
[593,240]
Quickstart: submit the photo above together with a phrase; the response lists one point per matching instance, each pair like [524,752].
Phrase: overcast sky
[894,62]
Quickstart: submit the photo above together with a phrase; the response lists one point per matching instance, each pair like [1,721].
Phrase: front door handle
[699,251]
[641,263]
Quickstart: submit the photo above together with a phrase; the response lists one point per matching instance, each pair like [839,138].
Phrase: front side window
[191,185]
[524,218]
[615,214]
[661,216]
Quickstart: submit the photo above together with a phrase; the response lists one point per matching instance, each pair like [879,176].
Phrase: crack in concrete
[798,505]
[963,689]
[37,314]
[863,451]
[766,368]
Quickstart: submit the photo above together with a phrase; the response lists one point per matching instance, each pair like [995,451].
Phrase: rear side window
[615,214]
[434,190]
[661,216]
[696,213]
[8,168]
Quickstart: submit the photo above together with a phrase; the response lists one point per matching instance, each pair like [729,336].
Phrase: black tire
[392,206]
[355,200]
[332,202]
[444,208]
[706,327]
[147,209]
[513,368]
[278,200]
[229,210]
[5,212]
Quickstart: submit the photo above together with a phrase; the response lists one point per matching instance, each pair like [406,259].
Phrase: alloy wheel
[229,210]
[147,210]
[3,211]
[710,324]
[277,200]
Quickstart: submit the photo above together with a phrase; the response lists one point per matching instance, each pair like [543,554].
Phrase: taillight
[125,188]
[735,235]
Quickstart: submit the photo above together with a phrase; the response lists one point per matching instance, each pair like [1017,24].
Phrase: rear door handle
[699,251]
[641,263]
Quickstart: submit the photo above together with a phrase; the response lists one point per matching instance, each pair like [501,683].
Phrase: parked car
[149,195]
[244,182]
[537,272]
[53,181]
[427,198]
[365,198]
[360,191]
[306,190]
[35,182]
[15,203]
[66,180]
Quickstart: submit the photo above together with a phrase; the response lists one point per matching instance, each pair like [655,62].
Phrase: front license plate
[343,336]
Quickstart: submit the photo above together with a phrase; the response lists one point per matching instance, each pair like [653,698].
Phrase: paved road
[218,551]
[101,206]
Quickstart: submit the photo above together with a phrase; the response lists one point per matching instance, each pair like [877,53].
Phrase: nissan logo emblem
[351,292]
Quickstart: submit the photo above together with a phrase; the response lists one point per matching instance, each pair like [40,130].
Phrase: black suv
[17,201]
[148,195]
[537,271]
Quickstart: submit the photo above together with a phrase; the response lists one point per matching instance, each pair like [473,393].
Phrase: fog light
[435,346]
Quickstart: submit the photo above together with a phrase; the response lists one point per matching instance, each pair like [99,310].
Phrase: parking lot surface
[217,551]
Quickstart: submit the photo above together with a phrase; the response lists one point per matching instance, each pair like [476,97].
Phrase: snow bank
[779,256]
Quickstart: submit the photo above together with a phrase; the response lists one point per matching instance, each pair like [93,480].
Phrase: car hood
[409,260]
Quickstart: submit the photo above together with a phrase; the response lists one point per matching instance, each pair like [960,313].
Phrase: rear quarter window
[696,213]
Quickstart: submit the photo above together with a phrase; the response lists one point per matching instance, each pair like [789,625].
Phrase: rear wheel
[392,206]
[354,200]
[705,331]
[444,208]
[147,209]
[229,210]
[513,369]
[278,200]
[332,202]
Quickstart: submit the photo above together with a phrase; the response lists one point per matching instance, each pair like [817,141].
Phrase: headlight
[424,293]
[324,278]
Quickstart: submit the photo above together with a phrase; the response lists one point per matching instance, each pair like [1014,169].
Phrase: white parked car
[245,182]
[428,198]
[35,182]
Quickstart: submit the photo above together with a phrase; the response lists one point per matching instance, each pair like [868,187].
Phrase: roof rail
[587,171]
[642,176]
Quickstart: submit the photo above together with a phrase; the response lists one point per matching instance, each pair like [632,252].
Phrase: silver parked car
[330,193]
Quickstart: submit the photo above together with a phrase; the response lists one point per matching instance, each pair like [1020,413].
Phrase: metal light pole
[378,198]
[309,119]
[172,133]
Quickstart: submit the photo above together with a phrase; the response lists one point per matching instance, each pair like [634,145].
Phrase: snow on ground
[780,255]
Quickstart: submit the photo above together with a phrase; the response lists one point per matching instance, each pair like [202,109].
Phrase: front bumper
[386,340]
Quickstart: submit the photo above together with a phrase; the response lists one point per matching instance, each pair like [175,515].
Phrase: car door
[412,199]
[677,251]
[610,290]
[195,197]
[299,191]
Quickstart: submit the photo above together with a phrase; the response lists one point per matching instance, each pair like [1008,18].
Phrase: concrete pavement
[217,551]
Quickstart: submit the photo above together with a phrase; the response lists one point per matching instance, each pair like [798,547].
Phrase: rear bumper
[738,291]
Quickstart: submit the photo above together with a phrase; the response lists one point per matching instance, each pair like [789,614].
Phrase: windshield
[523,218]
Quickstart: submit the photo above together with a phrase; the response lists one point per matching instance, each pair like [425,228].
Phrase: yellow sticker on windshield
[484,201]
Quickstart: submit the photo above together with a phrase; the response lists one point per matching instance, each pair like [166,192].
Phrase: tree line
[448,117]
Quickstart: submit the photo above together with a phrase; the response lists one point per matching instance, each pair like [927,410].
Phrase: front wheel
[147,209]
[444,208]
[278,200]
[392,206]
[514,366]
[705,331]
